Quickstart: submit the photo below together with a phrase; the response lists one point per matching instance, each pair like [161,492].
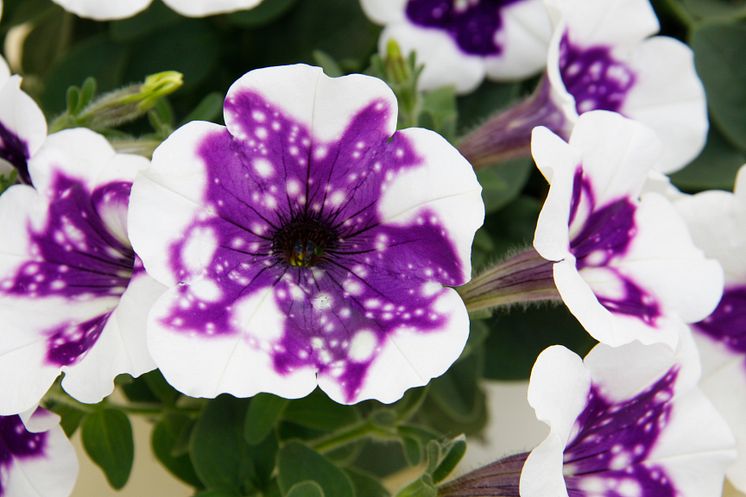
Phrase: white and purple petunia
[462,41]
[23,127]
[104,10]
[308,242]
[625,422]
[625,264]
[36,458]
[717,221]
[602,57]
[73,296]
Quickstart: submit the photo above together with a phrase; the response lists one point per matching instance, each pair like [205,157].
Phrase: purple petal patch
[302,217]
[727,324]
[474,25]
[608,454]
[16,442]
[593,77]
[15,150]
[76,257]
[605,235]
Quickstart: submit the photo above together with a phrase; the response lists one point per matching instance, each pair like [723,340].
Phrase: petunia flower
[307,242]
[73,297]
[462,41]
[625,422]
[619,256]
[717,221]
[625,264]
[121,9]
[628,421]
[36,458]
[602,57]
[23,127]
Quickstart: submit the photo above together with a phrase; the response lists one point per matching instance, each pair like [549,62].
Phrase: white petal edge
[85,155]
[121,348]
[384,11]
[669,97]
[663,259]
[202,8]
[446,184]
[51,476]
[324,105]
[717,223]
[557,161]
[525,39]
[104,10]
[611,329]
[724,383]
[410,358]
[206,366]
[445,64]
[20,113]
[606,21]
[558,391]
[174,187]
[617,154]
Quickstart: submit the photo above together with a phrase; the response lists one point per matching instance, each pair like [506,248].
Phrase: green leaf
[453,455]
[318,412]
[264,13]
[330,66]
[716,166]
[217,448]
[306,489]
[412,450]
[365,484]
[95,57]
[208,109]
[297,463]
[457,392]
[518,335]
[107,439]
[439,111]
[712,9]
[423,487]
[70,417]
[264,412]
[46,40]
[190,47]
[166,434]
[160,387]
[503,182]
[718,55]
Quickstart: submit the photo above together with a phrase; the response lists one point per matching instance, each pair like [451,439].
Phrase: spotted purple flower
[717,221]
[626,422]
[602,57]
[462,41]
[306,242]
[73,297]
[625,264]
[23,127]
[35,457]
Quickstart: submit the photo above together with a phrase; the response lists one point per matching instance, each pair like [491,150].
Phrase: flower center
[303,241]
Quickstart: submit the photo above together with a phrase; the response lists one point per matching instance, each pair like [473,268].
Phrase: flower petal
[525,35]
[41,463]
[23,126]
[104,11]
[444,63]
[202,8]
[669,97]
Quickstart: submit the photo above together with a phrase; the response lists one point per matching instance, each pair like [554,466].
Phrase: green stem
[349,434]
[139,408]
